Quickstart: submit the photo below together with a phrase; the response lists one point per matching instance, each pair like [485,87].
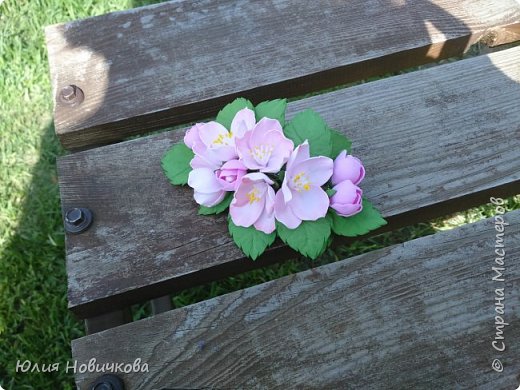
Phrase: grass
[35,324]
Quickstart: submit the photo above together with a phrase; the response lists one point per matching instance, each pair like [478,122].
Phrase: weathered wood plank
[433,142]
[108,320]
[180,61]
[419,315]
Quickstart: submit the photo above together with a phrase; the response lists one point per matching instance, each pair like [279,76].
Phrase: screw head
[104,386]
[108,382]
[74,216]
[77,220]
[71,95]
[68,92]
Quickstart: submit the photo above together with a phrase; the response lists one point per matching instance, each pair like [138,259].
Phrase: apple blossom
[301,197]
[253,203]
[264,148]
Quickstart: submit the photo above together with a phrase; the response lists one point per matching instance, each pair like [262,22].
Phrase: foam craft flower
[347,199]
[230,174]
[264,148]
[347,168]
[253,203]
[208,189]
[301,197]
[270,180]
[212,142]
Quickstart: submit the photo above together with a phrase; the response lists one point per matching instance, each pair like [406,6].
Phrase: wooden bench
[435,141]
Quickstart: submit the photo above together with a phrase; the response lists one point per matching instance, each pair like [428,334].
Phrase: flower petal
[310,205]
[243,121]
[203,180]
[245,213]
[250,199]
[347,210]
[225,153]
[234,164]
[191,138]
[244,152]
[347,168]
[209,133]
[300,153]
[346,192]
[209,200]
[204,158]
[263,127]
[286,191]
[283,148]
[284,213]
[317,170]
[265,222]
[258,176]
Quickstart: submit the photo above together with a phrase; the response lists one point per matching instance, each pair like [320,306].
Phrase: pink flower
[204,158]
[264,148]
[212,142]
[230,174]
[253,203]
[301,197]
[347,199]
[347,168]
[191,138]
[207,187]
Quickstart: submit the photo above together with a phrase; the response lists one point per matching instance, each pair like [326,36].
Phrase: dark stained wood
[108,320]
[162,304]
[180,61]
[433,142]
[419,315]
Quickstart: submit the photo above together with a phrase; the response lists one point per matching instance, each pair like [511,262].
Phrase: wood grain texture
[418,315]
[180,61]
[432,142]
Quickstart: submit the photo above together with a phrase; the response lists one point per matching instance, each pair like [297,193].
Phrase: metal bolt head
[74,216]
[108,382]
[77,220]
[104,386]
[68,92]
[71,95]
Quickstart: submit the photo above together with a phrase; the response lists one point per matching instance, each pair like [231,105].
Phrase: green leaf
[308,125]
[274,109]
[222,206]
[176,163]
[226,115]
[339,143]
[330,192]
[310,238]
[365,221]
[252,242]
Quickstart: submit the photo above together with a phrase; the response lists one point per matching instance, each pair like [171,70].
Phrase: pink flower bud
[347,168]
[230,174]
[347,199]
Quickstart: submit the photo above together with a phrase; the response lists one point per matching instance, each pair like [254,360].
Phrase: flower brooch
[295,180]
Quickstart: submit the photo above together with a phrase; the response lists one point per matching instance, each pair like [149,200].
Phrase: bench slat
[179,61]
[432,141]
[415,315]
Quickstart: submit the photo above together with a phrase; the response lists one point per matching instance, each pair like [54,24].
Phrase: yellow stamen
[223,139]
[262,151]
[301,182]
[252,196]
